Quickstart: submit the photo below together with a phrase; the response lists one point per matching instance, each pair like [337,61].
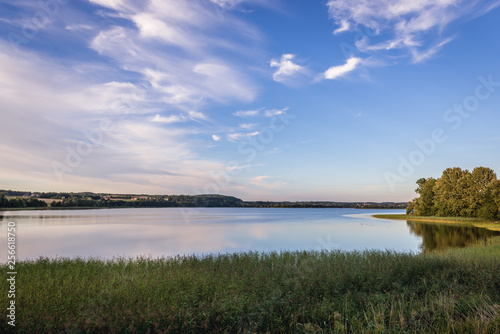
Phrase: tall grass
[477,222]
[288,292]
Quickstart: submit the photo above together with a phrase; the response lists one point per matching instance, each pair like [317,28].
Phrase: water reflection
[181,231]
[443,236]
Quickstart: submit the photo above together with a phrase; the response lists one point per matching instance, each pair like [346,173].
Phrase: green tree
[479,193]
[458,193]
[35,202]
[4,202]
[450,199]
[17,203]
[424,204]
[491,209]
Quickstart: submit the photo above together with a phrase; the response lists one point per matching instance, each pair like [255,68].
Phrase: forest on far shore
[458,193]
[54,200]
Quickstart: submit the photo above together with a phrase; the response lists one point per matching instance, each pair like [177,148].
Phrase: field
[289,292]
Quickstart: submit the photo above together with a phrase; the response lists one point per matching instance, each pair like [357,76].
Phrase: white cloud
[286,68]
[196,115]
[248,126]
[247,113]
[157,64]
[275,112]
[222,82]
[118,5]
[190,115]
[227,4]
[78,27]
[258,179]
[344,26]
[415,27]
[168,119]
[60,107]
[233,4]
[241,136]
[335,72]
[426,54]
[150,26]
[176,51]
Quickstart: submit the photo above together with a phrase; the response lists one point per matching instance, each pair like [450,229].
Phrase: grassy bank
[288,292]
[478,222]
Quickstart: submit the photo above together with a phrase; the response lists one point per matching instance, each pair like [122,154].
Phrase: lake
[157,232]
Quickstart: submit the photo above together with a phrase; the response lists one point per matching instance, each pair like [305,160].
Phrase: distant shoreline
[173,207]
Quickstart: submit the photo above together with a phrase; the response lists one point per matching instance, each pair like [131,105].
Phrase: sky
[280,100]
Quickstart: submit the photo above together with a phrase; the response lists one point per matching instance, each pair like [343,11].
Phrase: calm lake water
[158,232]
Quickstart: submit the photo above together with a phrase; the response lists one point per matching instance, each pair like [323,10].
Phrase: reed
[457,291]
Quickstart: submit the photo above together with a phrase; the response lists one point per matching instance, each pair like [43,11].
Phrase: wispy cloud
[247,113]
[258,179]
[339,71]
[415,27]
[176,51]
[78,27]
[420,56]
[266,182]
[275,112]
[238,136]
[188,116]
[168,119]
[153,71]
[344,26]
[286,68]
[131,152]
[248,126]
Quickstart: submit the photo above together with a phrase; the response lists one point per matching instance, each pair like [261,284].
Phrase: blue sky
[264,100]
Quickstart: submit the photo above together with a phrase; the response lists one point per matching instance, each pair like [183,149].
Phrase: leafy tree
[35,203]
[449,192]
[480,192]
[17,202]
[424,205]
[4,202]
[491,209]
[458,193]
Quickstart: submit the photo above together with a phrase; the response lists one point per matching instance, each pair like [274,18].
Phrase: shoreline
[476,222]
[164,207]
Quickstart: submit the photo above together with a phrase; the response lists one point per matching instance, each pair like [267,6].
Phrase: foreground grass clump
[289,292]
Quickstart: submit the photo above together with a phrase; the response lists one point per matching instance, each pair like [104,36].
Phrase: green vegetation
[92,200]
[476,222]
[458,193]
[20,202]
[290,292]
[319,204]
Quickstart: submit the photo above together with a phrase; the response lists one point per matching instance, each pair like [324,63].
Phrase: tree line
[20,202]
[92,200]
[458,193]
